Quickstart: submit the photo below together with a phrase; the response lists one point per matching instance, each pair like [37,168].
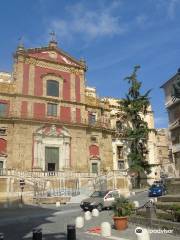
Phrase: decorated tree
[135,107]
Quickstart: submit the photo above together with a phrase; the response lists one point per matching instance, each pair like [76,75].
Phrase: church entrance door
[52,159]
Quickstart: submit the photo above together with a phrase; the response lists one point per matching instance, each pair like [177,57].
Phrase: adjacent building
[172,105]
[158,144]
[164,153]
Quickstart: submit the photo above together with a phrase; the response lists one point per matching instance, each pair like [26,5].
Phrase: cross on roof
[53,36]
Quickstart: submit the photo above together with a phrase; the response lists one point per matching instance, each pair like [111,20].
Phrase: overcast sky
[112,36]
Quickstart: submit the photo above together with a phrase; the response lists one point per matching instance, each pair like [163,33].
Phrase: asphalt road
[17,224]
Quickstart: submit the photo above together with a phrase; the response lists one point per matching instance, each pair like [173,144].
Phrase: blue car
[157,190]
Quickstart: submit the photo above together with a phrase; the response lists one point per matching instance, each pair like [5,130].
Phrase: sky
[111,35]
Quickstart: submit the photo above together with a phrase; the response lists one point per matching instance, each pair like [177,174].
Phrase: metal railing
[39,174]
[15,115]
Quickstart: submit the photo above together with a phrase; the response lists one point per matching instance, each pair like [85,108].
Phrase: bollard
[142,233]
[155,199]
[1,236]
[133,193]
[34,234]
[87,215]
[136,204]
[57,204]
[95,213]
[105,229]
[37,234]
[79,222]
[71,232]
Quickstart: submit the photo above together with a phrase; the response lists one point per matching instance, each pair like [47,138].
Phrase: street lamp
[22,183]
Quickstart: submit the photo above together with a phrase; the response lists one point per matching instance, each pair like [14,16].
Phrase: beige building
[158,144]
[173,109]
[164,153]
[49,121]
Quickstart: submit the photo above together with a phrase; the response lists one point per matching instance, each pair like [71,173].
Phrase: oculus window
[52,88]
[52,109]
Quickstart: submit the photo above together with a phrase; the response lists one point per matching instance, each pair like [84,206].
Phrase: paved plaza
[18,223]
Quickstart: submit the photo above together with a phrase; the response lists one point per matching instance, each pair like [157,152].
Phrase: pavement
[18,223]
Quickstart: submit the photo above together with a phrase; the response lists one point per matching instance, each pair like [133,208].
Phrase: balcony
[83,122]
[176,148]
[174,125]
[170,102]
[95,102]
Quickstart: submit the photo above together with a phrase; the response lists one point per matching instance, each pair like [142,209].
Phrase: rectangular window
[120,152]
[92,118]
[2,131]
[3,109]
[52,109]
[94,167]
[121,165]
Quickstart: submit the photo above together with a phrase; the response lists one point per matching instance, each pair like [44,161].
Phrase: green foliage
[135,107]
[122,207]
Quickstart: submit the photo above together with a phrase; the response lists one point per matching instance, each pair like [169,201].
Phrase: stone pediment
[56,55]
[52,131]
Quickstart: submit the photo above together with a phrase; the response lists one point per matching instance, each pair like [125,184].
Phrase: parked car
[157,190]
[99,200]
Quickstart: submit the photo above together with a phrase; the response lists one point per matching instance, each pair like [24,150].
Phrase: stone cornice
[13,120]
[49,99]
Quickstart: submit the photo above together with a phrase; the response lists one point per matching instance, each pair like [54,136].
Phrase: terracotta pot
[120,223]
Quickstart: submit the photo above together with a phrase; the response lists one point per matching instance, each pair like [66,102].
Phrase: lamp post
[22,183]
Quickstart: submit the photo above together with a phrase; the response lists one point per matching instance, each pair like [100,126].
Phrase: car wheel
[99,207]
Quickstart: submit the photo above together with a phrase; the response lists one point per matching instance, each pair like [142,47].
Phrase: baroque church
[48,119]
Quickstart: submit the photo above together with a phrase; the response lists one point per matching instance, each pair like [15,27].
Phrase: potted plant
[122,209]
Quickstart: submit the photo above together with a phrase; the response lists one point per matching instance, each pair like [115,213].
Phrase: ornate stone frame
[54,77]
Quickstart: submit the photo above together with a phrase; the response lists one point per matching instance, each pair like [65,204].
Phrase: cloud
[172,8]
[91,23]
[169,6]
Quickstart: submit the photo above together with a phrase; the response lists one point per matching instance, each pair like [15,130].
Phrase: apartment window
[93,139]
[2,131]
[119,125]
[92,118]
[52,88]
[3,109]
[52,109]
[160,152]
[121,164]
[119,152]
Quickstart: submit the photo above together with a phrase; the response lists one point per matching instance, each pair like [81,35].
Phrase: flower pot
[120,223]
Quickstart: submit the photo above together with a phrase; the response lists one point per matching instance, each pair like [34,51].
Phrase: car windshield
[155,186]
[99,194]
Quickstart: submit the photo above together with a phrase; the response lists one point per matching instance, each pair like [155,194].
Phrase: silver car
[99,200]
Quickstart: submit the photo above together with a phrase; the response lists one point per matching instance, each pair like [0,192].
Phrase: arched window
[52,88]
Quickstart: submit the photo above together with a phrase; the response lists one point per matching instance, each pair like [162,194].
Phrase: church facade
[48,122]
